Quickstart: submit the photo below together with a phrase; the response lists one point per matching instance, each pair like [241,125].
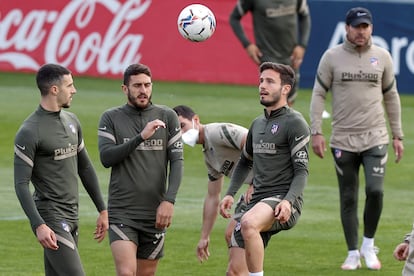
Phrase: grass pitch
[315,246]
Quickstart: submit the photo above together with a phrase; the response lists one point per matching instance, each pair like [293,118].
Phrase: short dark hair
[287,74]
[136,69]
[184,111]
[49,75]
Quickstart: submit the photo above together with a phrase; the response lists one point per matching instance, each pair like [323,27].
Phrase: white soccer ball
[196,23]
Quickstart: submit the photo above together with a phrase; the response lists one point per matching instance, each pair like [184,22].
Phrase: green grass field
[314,247]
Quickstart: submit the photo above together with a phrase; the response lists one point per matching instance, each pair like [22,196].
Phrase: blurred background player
[222,145]
[281,32]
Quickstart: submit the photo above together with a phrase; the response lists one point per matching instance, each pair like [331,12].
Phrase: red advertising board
[102,37]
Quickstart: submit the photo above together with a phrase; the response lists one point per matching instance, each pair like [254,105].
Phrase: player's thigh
[260,217]
[65,260]
[124,254]
[229,230]
[375,161]
[146,267]
[123,240]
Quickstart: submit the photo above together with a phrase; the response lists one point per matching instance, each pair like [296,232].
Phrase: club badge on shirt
[274,128]
[72,128]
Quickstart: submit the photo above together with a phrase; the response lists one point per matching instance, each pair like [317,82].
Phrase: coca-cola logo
[77,36]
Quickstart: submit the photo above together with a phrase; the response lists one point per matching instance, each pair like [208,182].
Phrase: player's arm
[322,84]
[211,204]
[392,107]
[243,167]
[299,137]
[304,23]
[89,179]
[110,152]
[304,28]
[235,23]
[22,174]
[166,208]
[24,152]
[210,211]
[175,156]
[323,81]
[176,161]
[87,173]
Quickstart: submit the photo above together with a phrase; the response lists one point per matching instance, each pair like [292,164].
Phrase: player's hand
[283,211]
[164,215]
[297,56]
[151,127]
[401,251]
[398,149]
[319,145]
[254,53]
[225,206]
[46,237]
[202,250]
[248,193]
[102,225]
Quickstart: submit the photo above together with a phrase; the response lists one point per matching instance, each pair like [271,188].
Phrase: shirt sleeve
[299,138]
[24,151]
[236,15]
[175,155]
[321,86]
[89,179]
[243,167]
[110,153]
[392,102]
[304,23]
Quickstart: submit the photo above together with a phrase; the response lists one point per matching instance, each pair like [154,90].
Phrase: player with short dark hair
[277,150]
[50,152]
[141,142]
[222,144]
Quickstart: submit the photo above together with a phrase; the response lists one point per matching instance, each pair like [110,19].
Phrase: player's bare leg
[258,219]
[237,262]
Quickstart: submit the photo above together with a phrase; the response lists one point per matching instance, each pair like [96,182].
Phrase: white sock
[353,252]
[367,242]
[256,273]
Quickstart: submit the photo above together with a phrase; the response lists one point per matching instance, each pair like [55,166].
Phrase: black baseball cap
[358,15]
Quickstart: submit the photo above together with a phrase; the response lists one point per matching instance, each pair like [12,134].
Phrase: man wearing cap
[361,78]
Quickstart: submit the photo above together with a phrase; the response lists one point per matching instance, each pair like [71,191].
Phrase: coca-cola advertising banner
[102,37]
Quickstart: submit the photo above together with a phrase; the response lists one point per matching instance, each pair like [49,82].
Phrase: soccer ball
[196,23]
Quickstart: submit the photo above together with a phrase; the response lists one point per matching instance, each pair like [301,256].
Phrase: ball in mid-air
[196,23]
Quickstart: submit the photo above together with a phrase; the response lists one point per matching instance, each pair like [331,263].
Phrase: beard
[136,102]
[273,101]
